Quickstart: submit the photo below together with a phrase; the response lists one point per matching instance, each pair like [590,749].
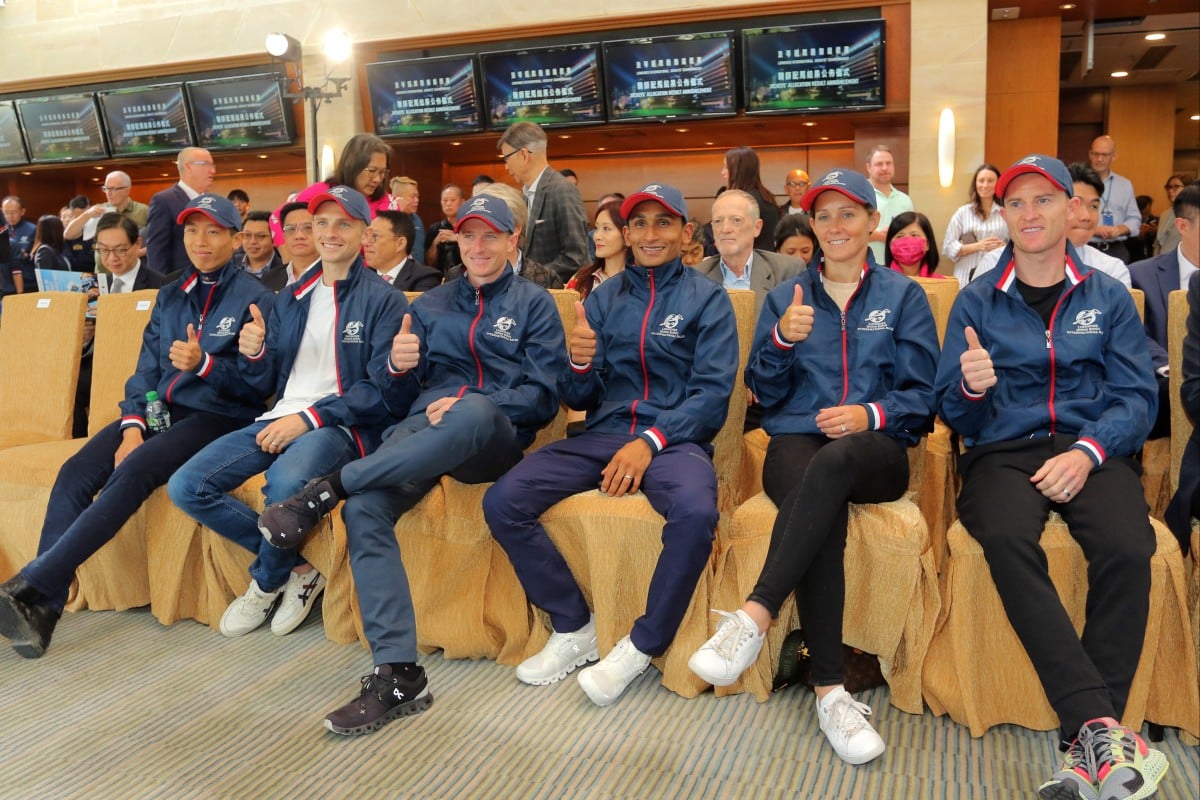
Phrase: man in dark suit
[385,249]
[164,238]
[258,255]
[558,230]
[1186,502]
[117,246]
[1158,277]
[738,265]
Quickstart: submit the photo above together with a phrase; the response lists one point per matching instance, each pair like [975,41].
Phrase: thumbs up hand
[976,364]
[253,334]
[797,321]
[583,338]
[186,356]
[406,347]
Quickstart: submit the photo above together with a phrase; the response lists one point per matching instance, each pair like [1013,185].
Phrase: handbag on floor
[862,670]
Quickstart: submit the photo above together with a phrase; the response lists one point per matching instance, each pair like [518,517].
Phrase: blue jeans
[680,484]
[473,443]
[201,486]
[79,522]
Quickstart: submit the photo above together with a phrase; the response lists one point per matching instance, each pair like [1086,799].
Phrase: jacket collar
[191,278]
[1074,270]
[309,280]
[467,289]
[662,274]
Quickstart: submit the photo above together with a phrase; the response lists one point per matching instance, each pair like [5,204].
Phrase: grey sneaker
[300,593]
[606,681]
[561,655]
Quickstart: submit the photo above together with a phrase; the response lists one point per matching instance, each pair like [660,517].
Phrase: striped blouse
[964,221]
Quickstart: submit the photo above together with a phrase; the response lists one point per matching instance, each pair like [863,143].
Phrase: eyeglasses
[1098,154]
[374,236]
[256,237]
[1171,186]
[506,156]
[113,188]
[288,230]
[201,164]
[376,172]
[105,252]
[796,184]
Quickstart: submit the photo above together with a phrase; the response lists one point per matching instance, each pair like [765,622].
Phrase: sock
[406,670]
[335,483]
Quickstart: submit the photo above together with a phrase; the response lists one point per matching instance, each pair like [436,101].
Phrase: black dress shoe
[24,619]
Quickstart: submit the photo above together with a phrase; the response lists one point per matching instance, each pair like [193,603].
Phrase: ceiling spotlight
[681,130]
[1193,118]
[456,144]
[601,148]
[564,136]
[1119,74]
[1155,37]
[282,46]
[810,124]
[1065,6]
[263,155]
[337,46]
[26,172]
[240,169]
[824,138]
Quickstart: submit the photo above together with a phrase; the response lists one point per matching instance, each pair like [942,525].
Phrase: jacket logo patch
[225,327]
[876,320]
[1086,322]
[352,333]
[502,328]
[669,327]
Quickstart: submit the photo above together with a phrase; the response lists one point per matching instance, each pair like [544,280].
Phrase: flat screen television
[239,113]
[550,86]
[424,97]
[671,77]
[62,128]
[834,66]
[145,120]
[12,146]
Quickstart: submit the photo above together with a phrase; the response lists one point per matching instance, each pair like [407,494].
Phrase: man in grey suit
[558,230]
[735,224]
[164,238]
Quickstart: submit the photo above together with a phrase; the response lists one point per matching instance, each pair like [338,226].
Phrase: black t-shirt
[1042,299]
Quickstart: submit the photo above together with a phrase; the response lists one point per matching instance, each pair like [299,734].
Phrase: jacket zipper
[199,334]
[642,354]
[471,339]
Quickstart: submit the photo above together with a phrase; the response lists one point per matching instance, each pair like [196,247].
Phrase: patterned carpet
[123,708]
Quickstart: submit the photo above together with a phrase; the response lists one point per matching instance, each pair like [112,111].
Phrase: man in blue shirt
[1119,214]
[16,275]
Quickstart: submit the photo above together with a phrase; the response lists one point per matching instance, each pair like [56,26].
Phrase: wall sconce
[946,148]
[337,48]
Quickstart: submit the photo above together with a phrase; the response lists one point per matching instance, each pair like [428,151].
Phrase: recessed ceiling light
[1155,37]
[1193,118]
[1119,74]
[810,124]
[601,148]
[824,138]
[95,180]
[682,130]
[164,174]
[263,155]
[239,169]
[97,168]
[26,172]
[564,136]
[710,144]
[456,144]
[1066,6]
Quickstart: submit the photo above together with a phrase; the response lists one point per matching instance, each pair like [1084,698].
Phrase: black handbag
[862,670]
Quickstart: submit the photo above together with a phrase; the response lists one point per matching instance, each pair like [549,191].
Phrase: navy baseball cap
[848,182]
[670,197]
[1049,168]
[488,208]
[349,200]
[216,208]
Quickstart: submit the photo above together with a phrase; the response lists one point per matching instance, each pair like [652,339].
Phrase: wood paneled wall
[1141,120]
[1022,94]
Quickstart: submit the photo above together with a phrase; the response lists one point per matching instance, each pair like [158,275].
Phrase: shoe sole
[14,627]
[1154,767]
[1059,790]
[586,658]
[708,677]
[414,706]
[291,626]
[863,759]
[592,691]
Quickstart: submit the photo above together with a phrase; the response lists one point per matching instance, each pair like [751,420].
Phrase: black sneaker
[24,620]
[384,697]
[286,525]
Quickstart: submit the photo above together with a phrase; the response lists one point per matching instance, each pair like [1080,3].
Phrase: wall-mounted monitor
[243,112]
[62,128]
[834,66]
[550,86]
[424,97]
[12,146]
[145,120]
[671,77]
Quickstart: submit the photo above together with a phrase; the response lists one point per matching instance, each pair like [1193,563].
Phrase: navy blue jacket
[367,315]
[1090,376]
[216,385]
[881,354]
[503,339]
[666,357]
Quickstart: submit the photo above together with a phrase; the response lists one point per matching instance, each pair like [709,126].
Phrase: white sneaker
[605,682]
[299,594]
[844,722]
[248,611]
[732,649]
[561,655]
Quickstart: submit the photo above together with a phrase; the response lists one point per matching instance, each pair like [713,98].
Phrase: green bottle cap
[151,397]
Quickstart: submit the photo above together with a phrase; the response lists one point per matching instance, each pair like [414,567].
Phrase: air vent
[1010,12]
[1115,23]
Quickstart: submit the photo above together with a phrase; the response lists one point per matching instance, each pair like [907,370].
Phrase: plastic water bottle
[158,416]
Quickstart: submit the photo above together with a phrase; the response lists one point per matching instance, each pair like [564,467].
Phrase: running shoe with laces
[607,680]
[287,524]
[563,653]
[384,697]
[1125,768]
[1074,779]
[844,721]
[250,610]
[732,649]
[300,594]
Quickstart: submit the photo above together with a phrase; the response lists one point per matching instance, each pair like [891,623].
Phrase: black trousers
[1086,677]
[812,479]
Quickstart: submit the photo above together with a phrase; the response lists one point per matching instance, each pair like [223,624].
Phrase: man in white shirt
[315,352]
[889,201]
[1120,217]
[116,188]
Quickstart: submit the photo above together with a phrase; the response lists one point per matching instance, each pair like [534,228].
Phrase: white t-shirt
[314,372]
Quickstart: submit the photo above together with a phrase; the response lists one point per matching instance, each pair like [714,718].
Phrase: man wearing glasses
[164,238]
[795,185]
[385,250]
[258,255]
[1119,214]
[558,230]
[1167,238]
[118,245]
[297,226]
[117,198]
